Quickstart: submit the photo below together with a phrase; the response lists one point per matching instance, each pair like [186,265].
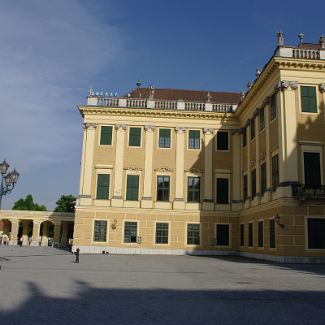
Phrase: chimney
[322,42]
[280,38]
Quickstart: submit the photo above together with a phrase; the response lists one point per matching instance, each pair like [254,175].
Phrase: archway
[6,231]
[47,233]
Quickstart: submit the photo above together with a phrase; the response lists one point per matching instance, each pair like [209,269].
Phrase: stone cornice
[271,66]
[98,110]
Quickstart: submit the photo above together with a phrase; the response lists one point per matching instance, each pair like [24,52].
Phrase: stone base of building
[179,252]
[148,251]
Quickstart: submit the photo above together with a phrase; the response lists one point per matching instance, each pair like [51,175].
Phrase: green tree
[28,204]
[65,203]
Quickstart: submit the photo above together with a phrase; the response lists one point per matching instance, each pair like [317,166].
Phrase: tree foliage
[65,203]
[28,204]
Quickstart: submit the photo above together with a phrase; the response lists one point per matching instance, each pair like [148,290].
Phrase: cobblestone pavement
[42,285]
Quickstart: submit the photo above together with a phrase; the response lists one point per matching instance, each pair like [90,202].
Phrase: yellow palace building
[168,171]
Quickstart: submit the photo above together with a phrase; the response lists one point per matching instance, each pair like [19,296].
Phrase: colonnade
[41,229]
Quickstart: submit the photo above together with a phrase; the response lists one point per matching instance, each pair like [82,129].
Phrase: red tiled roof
[187,95]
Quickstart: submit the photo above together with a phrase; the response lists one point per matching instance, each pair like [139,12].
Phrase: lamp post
[8,180]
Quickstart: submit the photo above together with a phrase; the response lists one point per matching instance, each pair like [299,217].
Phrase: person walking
[77,255]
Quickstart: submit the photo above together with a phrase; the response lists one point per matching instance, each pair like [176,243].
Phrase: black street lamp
[8,180]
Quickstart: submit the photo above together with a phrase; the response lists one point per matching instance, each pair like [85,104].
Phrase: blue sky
[51,51]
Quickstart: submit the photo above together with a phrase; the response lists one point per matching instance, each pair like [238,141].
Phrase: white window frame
[100,133]
[93,229]
[130,220]
[171,138]
[188,139]
[312,148]
[128,138]
[155,232]
[317,100]
[216,141]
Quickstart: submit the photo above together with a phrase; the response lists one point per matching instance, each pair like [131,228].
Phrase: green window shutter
[194,139]
[102,186]
[312,100]
[132,190]
[106,135]
[135,137]
[164,138]
[308,99]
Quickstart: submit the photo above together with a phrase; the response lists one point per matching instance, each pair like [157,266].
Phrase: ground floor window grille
[161,233]
[193,234]
[130,232]
[100,230]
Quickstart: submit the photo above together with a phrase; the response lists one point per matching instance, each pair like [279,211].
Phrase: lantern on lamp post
[8,179]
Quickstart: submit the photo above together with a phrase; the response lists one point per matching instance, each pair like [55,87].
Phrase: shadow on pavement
[305,268]
[159,306]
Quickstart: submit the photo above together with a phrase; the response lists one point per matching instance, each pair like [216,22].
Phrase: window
[262,118]
[242,234]
[164,138]
[252,128]
[106,135]
[135,137]
[222,191]
[253,177]
[273,107]
[222,140]
[244,136]
[312,169]
[222,235]
[308,99]
[102,186]
[194,139]
[316,231]
[275,172]
[193,234]
[132,188]
[193,189]
[161,233]
[260,234]
[130,232]
[272,233]
[250,234]
[163,188]
[245,188]
[100,230]
[263,178]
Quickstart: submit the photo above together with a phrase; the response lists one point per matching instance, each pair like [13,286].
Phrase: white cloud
[50,51]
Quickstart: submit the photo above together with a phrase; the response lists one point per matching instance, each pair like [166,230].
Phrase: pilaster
[87,163]
[208,175]
[117,200]
[267,151]
[288,136]
[146,201]
[236,168]
[257,159]
[179,202]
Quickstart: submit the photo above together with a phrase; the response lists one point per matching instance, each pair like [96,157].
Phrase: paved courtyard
[42,285]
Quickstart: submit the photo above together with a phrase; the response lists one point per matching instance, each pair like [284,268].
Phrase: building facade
[168,171]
